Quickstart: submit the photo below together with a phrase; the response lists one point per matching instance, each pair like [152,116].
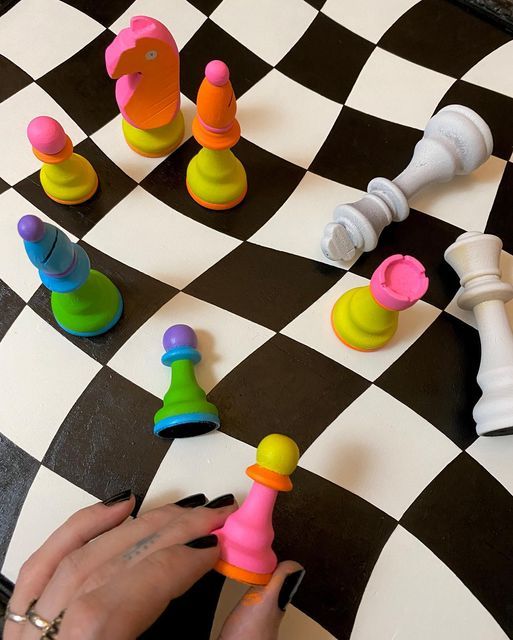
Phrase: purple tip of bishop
[31,228]
[217,73]
[179,335]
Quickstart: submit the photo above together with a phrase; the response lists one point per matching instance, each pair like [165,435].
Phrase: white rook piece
[476,257]
[456,141]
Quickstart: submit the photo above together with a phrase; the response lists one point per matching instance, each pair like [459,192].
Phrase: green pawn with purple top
[84,301]
[186,411]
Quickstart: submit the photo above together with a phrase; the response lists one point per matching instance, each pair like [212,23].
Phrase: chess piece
[456,141]
[66,177]
[476,259]
[144,60]
[365,318]
[245,540]
[186,411]
[216,179]
[84,302]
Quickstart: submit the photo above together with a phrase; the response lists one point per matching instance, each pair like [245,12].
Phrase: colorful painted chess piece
[84,301]
[365,318]
[186,411]
[216,179]
[245,540]
[144,60]
[66,177]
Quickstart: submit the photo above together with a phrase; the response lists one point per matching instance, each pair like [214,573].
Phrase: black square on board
[11,306]
[285,387]
[426,238]
[106,442]
[360,147]
[17,472]
[211,42]
[3,186]
[442,36]
[105,12]
[496,109]
[82,86]
[142,297]
[13,78]
[499,221]
[338,537]
[271,180]
[264,285]
[78,219]
[206,6]
[466,518]
[328,58]
[436,377]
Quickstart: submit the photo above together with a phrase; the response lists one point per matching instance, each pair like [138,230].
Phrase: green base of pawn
[155,143]
[91,310]
[216,179]
[360,322]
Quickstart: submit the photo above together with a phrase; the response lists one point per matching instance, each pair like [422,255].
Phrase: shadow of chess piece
[186,411]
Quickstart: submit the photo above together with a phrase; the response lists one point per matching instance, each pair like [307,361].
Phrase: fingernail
[196,500]
[205,542]
[289,587]
[122,496]
[222,501]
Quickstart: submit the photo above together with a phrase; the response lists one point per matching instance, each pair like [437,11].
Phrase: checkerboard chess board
[401,515]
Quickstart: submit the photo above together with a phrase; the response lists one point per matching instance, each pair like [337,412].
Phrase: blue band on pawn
[186,418]
[181,353]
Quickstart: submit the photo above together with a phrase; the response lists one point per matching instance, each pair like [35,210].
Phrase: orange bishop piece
[216,179]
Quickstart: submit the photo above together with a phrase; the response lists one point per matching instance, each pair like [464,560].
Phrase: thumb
[259,614]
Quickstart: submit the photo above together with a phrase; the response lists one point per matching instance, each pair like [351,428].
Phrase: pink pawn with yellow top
[366,318]
[245,540]
[66,177]
[216,179]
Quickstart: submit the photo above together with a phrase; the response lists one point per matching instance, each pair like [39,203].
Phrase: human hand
[113,576]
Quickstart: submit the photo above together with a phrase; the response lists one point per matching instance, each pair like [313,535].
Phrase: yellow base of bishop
[155,143]
[216,179]
[71,181]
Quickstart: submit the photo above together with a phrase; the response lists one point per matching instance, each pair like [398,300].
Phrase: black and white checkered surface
[401,515]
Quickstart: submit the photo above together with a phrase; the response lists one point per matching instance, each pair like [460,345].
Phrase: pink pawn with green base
[84,302]
[366,318]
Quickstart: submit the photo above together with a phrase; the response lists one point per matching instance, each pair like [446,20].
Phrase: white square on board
[146,234]
[111,141]
[28,27]
[268,28]
[67,372]
[464,201]
[50,501]
[17,160]
[285,118]
[367,18]
[412,594]
[214,464]
[495,455]
[313,328]
[224,340]
[179,16]
[380,450]
[396,90]
[15,267]
[490,72]
[298,224]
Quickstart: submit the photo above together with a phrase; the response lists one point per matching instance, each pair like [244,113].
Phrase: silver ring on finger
[49,628]
[15,617]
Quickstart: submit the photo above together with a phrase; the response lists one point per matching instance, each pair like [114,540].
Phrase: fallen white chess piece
[456,141]
[476,258]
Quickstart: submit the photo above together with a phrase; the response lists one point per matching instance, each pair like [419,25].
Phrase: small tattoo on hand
[140,546]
